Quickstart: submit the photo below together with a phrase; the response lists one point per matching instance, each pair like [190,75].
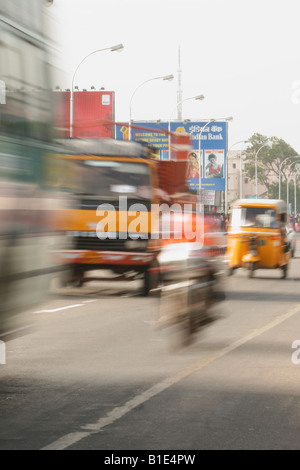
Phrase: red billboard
[90,109]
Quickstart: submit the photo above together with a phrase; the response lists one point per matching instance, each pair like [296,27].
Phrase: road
[96,372]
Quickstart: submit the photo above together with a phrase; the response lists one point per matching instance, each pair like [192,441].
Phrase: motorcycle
[190,286]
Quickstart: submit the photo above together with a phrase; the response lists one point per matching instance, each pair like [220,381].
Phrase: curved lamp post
[280,168]
[165,77]
[256,179]
[295,190]
[197,97]
[287,186]
[118,47]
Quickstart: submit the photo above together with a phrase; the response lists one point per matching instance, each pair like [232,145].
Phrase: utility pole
[179,92]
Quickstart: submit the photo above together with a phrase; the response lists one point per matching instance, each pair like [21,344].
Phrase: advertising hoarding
[209,143]
[90,108]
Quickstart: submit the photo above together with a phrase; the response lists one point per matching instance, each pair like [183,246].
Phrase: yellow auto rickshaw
[257,237]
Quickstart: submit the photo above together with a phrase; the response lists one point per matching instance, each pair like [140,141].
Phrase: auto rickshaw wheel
[284,271]
[230,271]
[251,269]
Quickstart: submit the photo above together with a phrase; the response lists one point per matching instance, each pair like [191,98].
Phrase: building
[239,185]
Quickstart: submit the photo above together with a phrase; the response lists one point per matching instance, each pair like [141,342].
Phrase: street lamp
[165,77]
[197,97]
[287,186]
[280,167]
[117,48]
[230,118]
[295,190]
[241,170]
[256,185]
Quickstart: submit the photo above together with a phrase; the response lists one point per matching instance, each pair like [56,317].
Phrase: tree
[269,159]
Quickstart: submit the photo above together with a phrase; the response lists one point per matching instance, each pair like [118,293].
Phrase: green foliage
[271,154]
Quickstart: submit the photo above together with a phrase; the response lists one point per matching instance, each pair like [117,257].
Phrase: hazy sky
[243,55]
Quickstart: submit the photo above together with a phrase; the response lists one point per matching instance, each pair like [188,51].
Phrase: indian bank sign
[209,148]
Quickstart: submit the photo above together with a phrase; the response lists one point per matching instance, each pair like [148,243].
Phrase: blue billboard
[209,148]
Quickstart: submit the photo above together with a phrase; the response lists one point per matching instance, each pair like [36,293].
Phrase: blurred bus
[28,202]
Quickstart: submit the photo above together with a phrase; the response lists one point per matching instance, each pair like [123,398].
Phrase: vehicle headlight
[175,252]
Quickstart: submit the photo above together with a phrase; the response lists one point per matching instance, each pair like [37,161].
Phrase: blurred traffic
[121,239]
[73,203]
[132,220]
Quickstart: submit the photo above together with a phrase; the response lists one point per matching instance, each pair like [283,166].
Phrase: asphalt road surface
[95,372]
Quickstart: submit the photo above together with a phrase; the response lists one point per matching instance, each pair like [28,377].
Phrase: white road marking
[58,309]
[68,306]
[119,412]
